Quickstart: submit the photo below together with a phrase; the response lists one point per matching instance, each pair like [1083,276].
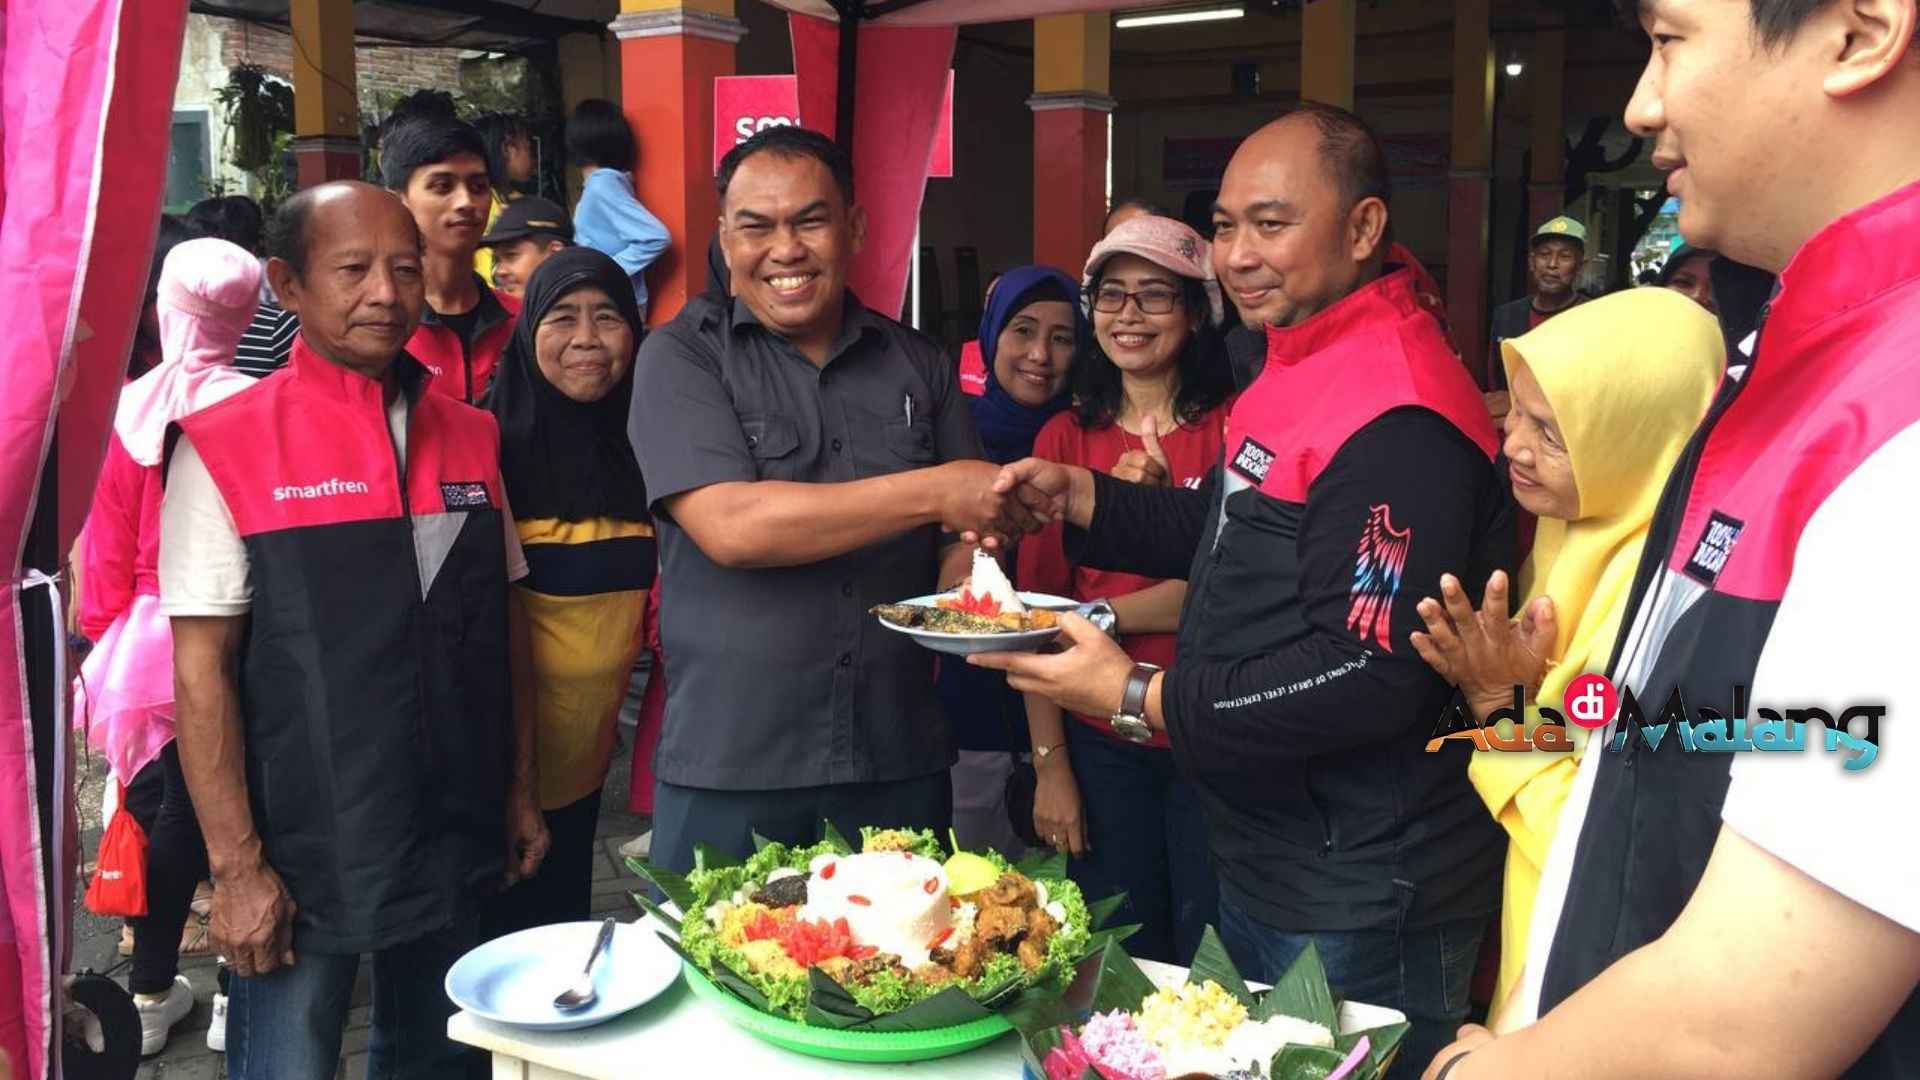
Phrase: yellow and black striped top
[585,595]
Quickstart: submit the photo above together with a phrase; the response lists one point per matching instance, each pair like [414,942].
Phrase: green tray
[838,1045]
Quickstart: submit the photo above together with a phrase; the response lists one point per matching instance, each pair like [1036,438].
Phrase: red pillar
[668,61]
[1069,176]
[320,158]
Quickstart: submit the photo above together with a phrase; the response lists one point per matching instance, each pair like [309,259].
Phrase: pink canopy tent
[85,96]
[888,59]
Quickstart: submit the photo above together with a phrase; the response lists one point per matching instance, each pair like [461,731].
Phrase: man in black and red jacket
[1758,914]
[1359,466]
[335,550]
[438,167]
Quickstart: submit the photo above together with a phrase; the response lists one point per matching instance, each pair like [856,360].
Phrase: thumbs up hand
[1148,466]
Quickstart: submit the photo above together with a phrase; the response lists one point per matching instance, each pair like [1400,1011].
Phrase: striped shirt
[268,341]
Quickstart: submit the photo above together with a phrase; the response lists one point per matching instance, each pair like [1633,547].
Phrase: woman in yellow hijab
[1604,398]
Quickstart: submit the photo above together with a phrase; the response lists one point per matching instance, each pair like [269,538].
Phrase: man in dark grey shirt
[803,455]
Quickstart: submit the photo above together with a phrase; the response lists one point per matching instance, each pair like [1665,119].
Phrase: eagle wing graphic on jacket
[1378,564]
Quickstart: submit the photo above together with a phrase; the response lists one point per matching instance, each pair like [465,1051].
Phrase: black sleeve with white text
[1408,490]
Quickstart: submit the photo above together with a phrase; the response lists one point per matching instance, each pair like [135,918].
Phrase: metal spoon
[582,994]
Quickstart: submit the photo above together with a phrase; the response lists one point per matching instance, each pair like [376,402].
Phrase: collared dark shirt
[778,678]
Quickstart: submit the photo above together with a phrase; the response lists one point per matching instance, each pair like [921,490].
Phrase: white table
[676,1034]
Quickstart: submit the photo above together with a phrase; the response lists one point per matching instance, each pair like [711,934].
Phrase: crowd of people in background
[407,501]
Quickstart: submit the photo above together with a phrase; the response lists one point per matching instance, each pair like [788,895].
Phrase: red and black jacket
[458,371]
[1833,378]
[373,674]
[1359,467]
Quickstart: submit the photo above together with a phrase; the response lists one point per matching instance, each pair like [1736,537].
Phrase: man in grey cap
[1556,253]
[522,237]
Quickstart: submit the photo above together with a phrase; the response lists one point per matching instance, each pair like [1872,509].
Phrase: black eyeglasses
[1113,298]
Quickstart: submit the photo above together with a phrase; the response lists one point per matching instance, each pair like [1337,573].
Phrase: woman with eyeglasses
[1151,394]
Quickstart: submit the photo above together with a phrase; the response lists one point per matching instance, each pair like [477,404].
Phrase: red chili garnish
[940,938]
[932,886]
[856,898]
[826,872]
[808,943]
[973,605]
[862,952]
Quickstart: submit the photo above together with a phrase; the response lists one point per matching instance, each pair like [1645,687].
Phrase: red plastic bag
[120,875]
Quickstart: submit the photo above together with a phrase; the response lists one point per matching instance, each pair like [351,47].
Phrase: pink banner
[744,105]
[73,265]
[900,81]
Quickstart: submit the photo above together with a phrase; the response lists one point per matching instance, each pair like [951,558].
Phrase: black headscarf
[561,458]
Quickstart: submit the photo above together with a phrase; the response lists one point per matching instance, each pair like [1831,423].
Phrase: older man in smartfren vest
[335,551]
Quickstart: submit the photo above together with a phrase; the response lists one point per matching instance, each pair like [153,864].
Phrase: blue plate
[513,980]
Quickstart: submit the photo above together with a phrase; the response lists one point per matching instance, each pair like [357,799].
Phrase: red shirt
[973,369]
[1191,451]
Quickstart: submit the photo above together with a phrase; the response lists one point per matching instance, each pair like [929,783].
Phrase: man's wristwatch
[1130,722]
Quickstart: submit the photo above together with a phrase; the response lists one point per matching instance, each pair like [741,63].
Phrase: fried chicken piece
[873,965]
[1040,927]
[1012,890]
[1032,954]
[971,958]
[933,974]
[997,925]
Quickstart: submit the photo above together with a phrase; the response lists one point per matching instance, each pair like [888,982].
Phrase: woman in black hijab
[561,397]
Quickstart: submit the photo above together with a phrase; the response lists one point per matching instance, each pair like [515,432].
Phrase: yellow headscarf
[1629,377]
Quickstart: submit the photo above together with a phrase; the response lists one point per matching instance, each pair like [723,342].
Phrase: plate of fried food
[985,614]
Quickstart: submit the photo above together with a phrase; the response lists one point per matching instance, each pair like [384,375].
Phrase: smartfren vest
[373,672]
[465,373]
[1833,378]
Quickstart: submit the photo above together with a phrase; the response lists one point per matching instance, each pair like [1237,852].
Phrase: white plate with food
[985,614]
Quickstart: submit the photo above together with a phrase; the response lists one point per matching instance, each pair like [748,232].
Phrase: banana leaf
[1212,962]
[830,1005]
[831,835]
[671,885]
[1302,993]
[647,905]
[1118,983]
[1099,911]
[1097,940]
[711,858]
[1305,1063]
[724,977]
[945,1009]
[1381,1043]
[1043,865]
[760,842]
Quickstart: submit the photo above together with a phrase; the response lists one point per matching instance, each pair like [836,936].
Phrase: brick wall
[377,67]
